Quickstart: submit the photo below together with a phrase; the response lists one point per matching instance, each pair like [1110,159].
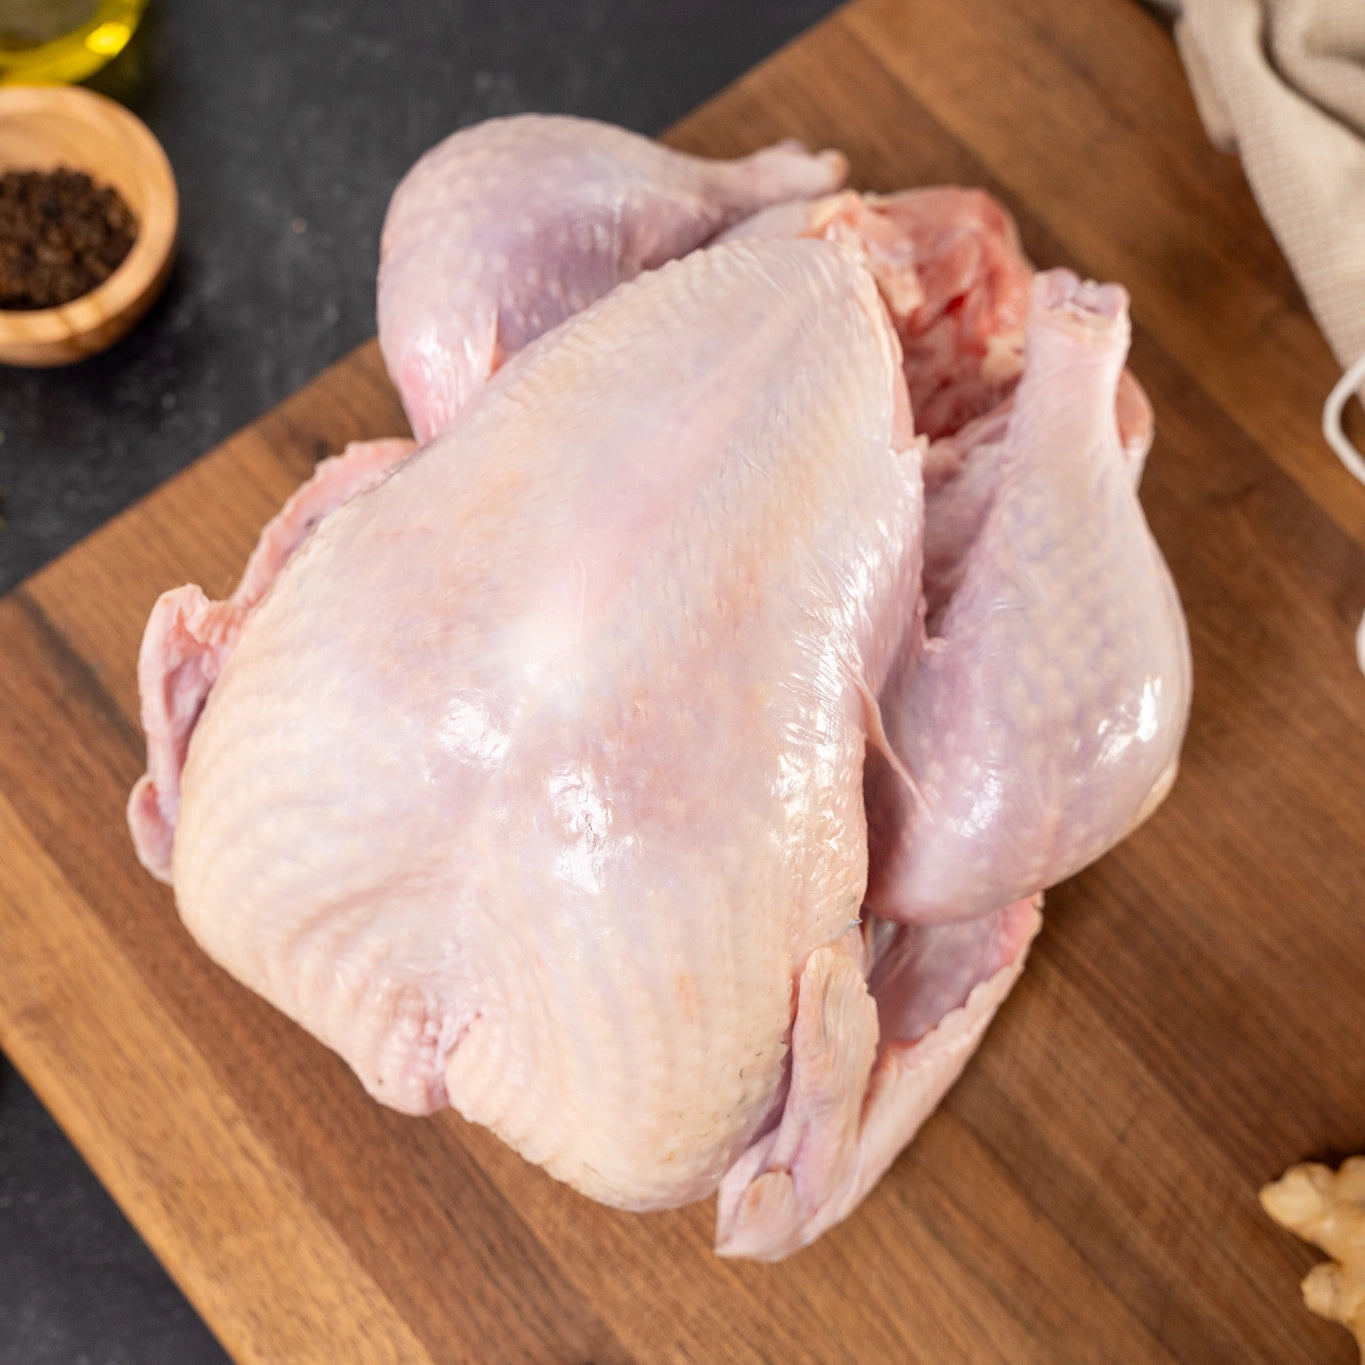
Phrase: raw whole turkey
[661,760]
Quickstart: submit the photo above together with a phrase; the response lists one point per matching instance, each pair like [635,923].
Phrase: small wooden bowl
[42,127]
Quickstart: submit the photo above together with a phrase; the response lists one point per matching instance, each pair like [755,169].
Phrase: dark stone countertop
[288,126]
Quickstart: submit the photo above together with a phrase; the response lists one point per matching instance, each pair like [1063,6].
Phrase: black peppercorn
[60,236]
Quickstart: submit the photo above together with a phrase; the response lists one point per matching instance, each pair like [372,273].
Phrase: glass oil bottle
[57,42]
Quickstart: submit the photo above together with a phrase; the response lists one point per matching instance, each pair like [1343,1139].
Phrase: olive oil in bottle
[55,42]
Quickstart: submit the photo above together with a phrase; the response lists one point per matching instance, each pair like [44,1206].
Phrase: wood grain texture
[1189,1023]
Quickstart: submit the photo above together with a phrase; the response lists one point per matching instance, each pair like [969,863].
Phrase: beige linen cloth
[1283,82]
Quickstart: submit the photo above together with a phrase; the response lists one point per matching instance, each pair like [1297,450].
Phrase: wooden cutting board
[1191,1018]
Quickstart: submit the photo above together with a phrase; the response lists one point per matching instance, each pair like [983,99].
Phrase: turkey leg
[506,229]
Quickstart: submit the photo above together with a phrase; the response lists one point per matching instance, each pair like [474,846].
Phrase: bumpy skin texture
[505,229]
[1044,719]
[536,778]
[952,276]
[955,281]
[962,472]
[188,640]
[590,769]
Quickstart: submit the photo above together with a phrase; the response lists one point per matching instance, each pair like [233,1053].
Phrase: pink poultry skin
[590,768]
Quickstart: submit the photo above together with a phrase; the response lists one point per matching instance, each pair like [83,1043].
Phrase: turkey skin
[661,760]
[537,775]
